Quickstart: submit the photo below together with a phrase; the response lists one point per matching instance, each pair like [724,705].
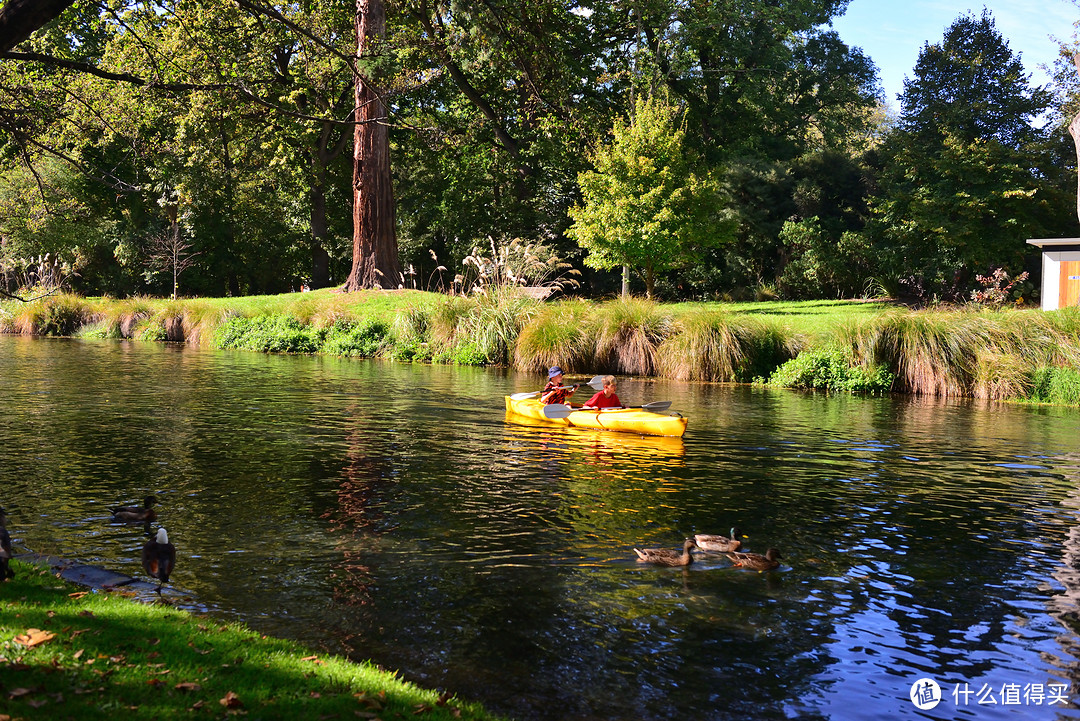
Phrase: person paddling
[554,392]
[605,398]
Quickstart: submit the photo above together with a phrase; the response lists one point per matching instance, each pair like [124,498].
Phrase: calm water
[390,512]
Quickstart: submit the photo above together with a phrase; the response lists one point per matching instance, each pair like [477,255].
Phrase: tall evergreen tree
[966,177]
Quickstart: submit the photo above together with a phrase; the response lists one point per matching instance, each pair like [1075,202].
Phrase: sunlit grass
[101,655]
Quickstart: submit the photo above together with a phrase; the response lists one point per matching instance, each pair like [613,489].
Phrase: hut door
[1069,284]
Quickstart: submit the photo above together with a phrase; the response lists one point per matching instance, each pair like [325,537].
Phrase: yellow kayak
[625,420]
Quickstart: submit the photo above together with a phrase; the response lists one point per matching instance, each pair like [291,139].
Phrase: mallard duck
[5,549]
[159,557]
[135,513]
[722,544]
[756,561]
[667,557]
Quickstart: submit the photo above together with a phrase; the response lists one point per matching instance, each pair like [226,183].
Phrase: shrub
[365,339]
[831,369]
[1055,385]
[270,334]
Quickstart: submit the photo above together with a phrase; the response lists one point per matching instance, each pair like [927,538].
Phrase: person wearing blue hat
[555,391]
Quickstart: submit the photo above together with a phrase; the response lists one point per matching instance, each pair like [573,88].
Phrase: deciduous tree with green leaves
[966,178]
[644,206]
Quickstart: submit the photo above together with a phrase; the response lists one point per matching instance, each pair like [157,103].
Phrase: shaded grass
[109,655]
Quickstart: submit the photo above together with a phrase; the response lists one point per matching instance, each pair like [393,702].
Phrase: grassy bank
[831,345]
[67,653]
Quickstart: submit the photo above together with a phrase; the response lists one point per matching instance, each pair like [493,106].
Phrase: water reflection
[391,512]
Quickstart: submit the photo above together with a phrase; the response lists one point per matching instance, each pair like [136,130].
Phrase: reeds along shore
[1012,354]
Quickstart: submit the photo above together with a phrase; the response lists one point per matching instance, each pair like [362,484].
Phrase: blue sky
[892,33]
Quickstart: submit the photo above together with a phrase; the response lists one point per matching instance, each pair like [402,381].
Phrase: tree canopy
[232,129]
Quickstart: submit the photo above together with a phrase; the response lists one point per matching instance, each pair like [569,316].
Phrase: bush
[269,334]
[1055,385]
[831,369]
[365,339]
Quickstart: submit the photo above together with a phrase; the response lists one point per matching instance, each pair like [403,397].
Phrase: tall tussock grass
[973,353]
[628,333]
[62,315]
[719,346]
[561,334]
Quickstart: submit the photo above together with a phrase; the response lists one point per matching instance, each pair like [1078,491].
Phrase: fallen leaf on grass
[34,637]
[78,654]
[422,708]
[231,700]
[4,717]
[78,594]
[197,705]
[188,686]
[86,614]
[20,692]
[444,698]
[155,682]
[360,714]
[36,702]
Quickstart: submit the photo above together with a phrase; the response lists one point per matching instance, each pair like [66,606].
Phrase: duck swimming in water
[721,544]
[159,557]
[135,513]
[667,557]
[756,561]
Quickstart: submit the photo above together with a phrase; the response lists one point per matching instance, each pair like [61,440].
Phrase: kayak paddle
[597,383]
[556,411]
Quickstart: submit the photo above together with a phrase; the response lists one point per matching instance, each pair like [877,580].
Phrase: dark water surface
[390,512]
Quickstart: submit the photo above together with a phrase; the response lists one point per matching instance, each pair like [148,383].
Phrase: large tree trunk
[20,18]
[375,251]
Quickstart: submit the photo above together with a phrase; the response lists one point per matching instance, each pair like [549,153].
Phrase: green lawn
[69,653]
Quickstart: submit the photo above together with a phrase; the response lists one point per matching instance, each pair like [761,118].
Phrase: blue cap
[554,371]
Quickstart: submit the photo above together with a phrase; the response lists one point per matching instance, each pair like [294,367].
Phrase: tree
[375,251]
[964,180]
[971,86]
[644,206]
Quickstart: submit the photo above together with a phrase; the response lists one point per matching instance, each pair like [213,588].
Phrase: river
[390,512]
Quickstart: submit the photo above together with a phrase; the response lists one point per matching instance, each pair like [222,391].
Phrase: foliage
[973,87]
[269,334]
[964,181]
[644,205]
[365,339]
[997,288]
[831,369]
[629,332]
[1049,384]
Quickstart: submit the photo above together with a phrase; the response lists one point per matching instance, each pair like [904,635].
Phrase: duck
[722,544]
[135,513]
[667,557]
[159,558]
[5,549]
[756,561]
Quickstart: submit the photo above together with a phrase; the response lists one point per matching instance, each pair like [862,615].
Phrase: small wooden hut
[1060,271]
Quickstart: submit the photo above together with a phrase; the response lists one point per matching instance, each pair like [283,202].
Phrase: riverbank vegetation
[69,653]
[969,351]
